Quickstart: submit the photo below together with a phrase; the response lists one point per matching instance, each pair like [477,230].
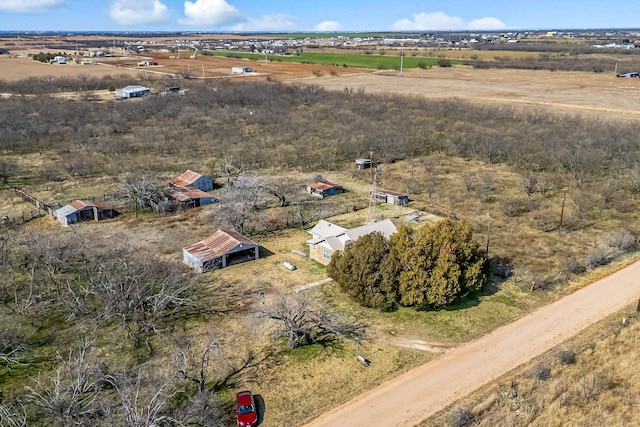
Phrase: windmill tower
[372,213]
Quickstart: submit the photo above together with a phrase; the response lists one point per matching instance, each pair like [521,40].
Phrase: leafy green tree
[357,270]
[439,263]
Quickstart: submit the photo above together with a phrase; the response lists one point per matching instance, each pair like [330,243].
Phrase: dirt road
[421,392]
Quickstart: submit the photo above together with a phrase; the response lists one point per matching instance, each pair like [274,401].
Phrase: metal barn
[220,250]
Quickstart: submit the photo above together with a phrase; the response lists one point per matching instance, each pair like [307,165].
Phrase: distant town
[290,43]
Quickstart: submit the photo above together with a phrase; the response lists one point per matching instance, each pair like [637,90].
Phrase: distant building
[190,197]
[194,179]
[329,238]
[241,70]
[81,210]
[391,197]
[132,91]
[220,250]
[324,189]
[363,163]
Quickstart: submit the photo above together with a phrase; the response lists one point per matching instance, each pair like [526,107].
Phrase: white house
[329,238]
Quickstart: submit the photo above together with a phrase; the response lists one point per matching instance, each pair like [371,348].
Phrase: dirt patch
[421,345]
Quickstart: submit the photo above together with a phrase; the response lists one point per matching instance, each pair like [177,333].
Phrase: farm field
[574,93]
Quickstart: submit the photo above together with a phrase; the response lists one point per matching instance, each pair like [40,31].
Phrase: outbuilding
[220,250]
[132,91]
[241,70]
[190,197]
[82,210]
[324,189]
[193,179]
[391,197]
[363,163]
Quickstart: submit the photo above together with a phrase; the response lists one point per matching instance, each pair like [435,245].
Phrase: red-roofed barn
[82,210]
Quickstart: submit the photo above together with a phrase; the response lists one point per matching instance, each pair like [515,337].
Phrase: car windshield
[245,409]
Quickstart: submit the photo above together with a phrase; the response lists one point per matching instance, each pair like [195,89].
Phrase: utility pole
[401,56]
[564,199]
[488,238]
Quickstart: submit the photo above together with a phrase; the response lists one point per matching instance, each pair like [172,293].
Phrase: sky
[313,15]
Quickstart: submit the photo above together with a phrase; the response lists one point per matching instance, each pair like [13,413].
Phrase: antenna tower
[372,213]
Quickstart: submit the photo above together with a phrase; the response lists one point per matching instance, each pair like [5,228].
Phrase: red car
[246,409]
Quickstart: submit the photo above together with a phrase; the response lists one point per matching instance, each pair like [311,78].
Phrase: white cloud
[328,26]
[441,21]
[210,13]
[275,22]
[486,23]
[129,12]
[28,5]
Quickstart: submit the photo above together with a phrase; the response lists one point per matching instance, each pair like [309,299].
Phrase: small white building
[132,91]
[241,70]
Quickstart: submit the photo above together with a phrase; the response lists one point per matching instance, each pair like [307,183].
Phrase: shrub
[566,357]
[443,62]
[621,239]
[543,372]
[573,265]
[461,417]
[597,257]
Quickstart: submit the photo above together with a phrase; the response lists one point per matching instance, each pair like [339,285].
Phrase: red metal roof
[219,243]
[187,178]
[81,204]
[323,185]
[184,194]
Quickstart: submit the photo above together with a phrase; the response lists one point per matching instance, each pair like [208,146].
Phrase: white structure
[328,237]
[132,91]
[241,70]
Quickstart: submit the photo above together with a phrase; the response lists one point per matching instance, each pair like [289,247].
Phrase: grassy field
[353,60]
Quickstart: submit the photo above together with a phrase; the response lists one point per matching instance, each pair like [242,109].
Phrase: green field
[386,62]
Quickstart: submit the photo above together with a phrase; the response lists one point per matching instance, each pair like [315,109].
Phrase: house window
[326,254]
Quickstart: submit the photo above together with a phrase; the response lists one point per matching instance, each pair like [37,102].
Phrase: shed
[220,250]
[241,70]
[324,189]
[193,179]
[81,210]
[363,163]
[190,197]
[132,91]
[391,197]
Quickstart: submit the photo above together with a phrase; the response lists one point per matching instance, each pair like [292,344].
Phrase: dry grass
[601,388]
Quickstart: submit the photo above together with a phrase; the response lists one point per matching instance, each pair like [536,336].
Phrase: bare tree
[530,183]
[215,365]
[306,211]
[140,190]
[304,323]
[239,200]
[13,415]
[8,168]
[12,347]
[143,408]
[285,189]
[69,395]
